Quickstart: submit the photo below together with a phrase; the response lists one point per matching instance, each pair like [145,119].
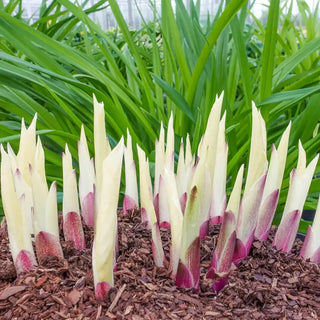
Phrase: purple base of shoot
[87,210]
[72,230]
[101,290]
[25,261]
[188,276]
[48,244]
[129,204]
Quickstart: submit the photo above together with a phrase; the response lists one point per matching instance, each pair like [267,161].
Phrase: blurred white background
[132,16]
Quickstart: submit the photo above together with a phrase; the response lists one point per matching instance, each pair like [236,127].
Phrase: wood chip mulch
[266,285]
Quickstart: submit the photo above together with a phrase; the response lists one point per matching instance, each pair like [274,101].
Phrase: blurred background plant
[178,63]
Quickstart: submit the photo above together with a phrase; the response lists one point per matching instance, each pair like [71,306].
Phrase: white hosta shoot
[300,180]
[106,223]
[223,255]
[253,191]
[311,245]
[184,172]
[209,142]
[72,225]
[101,142]
[147,209]
[272,187]
[19,236]
[219,196]
[188,273]
[176,219]
[27,148]
[163,210]
[87,180]
[130,200]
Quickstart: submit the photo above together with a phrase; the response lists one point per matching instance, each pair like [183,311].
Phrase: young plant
[311,245]
[272,187]
[130,201]
[300,180]
[45,211]
[101,142]
[72,225]
[223,254]
[164,216]
[147,209]
[184,172]
[188,273]
[254,186]
[219,196]
[87,180]
[176,219]
[19,235]
[106,222]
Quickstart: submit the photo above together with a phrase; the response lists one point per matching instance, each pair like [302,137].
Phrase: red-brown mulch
[266,285]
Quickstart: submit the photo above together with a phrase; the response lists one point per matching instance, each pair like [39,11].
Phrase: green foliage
[176,63]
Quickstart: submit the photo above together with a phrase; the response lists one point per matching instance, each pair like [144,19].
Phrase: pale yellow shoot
[18,231]
[131,175]
[105,227]
[258,157]
[101,142]
[87,178]
[211,134]
[170,145]
[234,200]
[27,148]
[159,160]
[176,218]
[219,197]
[70,192]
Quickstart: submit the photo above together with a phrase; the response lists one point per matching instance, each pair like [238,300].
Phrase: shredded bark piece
[268,284]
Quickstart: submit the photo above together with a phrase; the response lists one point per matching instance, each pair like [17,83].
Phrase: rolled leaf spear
[300,180]
[106,222]
[72,225]
[45,211]
[19,235]
[87,180]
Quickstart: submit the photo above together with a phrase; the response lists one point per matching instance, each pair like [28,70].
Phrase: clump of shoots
[300,180]
[72,225]
[19,235]
[106,224]
[130,201]
[87,180]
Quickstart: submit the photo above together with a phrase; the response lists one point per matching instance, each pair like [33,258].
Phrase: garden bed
[266,285]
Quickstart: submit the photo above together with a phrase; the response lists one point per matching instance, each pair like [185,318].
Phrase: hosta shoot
[106,224]
[224,252]
[19,235]
[87,180]
[254,186]
[272,187]
[130,201]
[311,245]
[45,211]
[300,180]
[72,225]
[148,213]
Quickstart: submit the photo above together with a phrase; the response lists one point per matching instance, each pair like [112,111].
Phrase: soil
[266,285]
